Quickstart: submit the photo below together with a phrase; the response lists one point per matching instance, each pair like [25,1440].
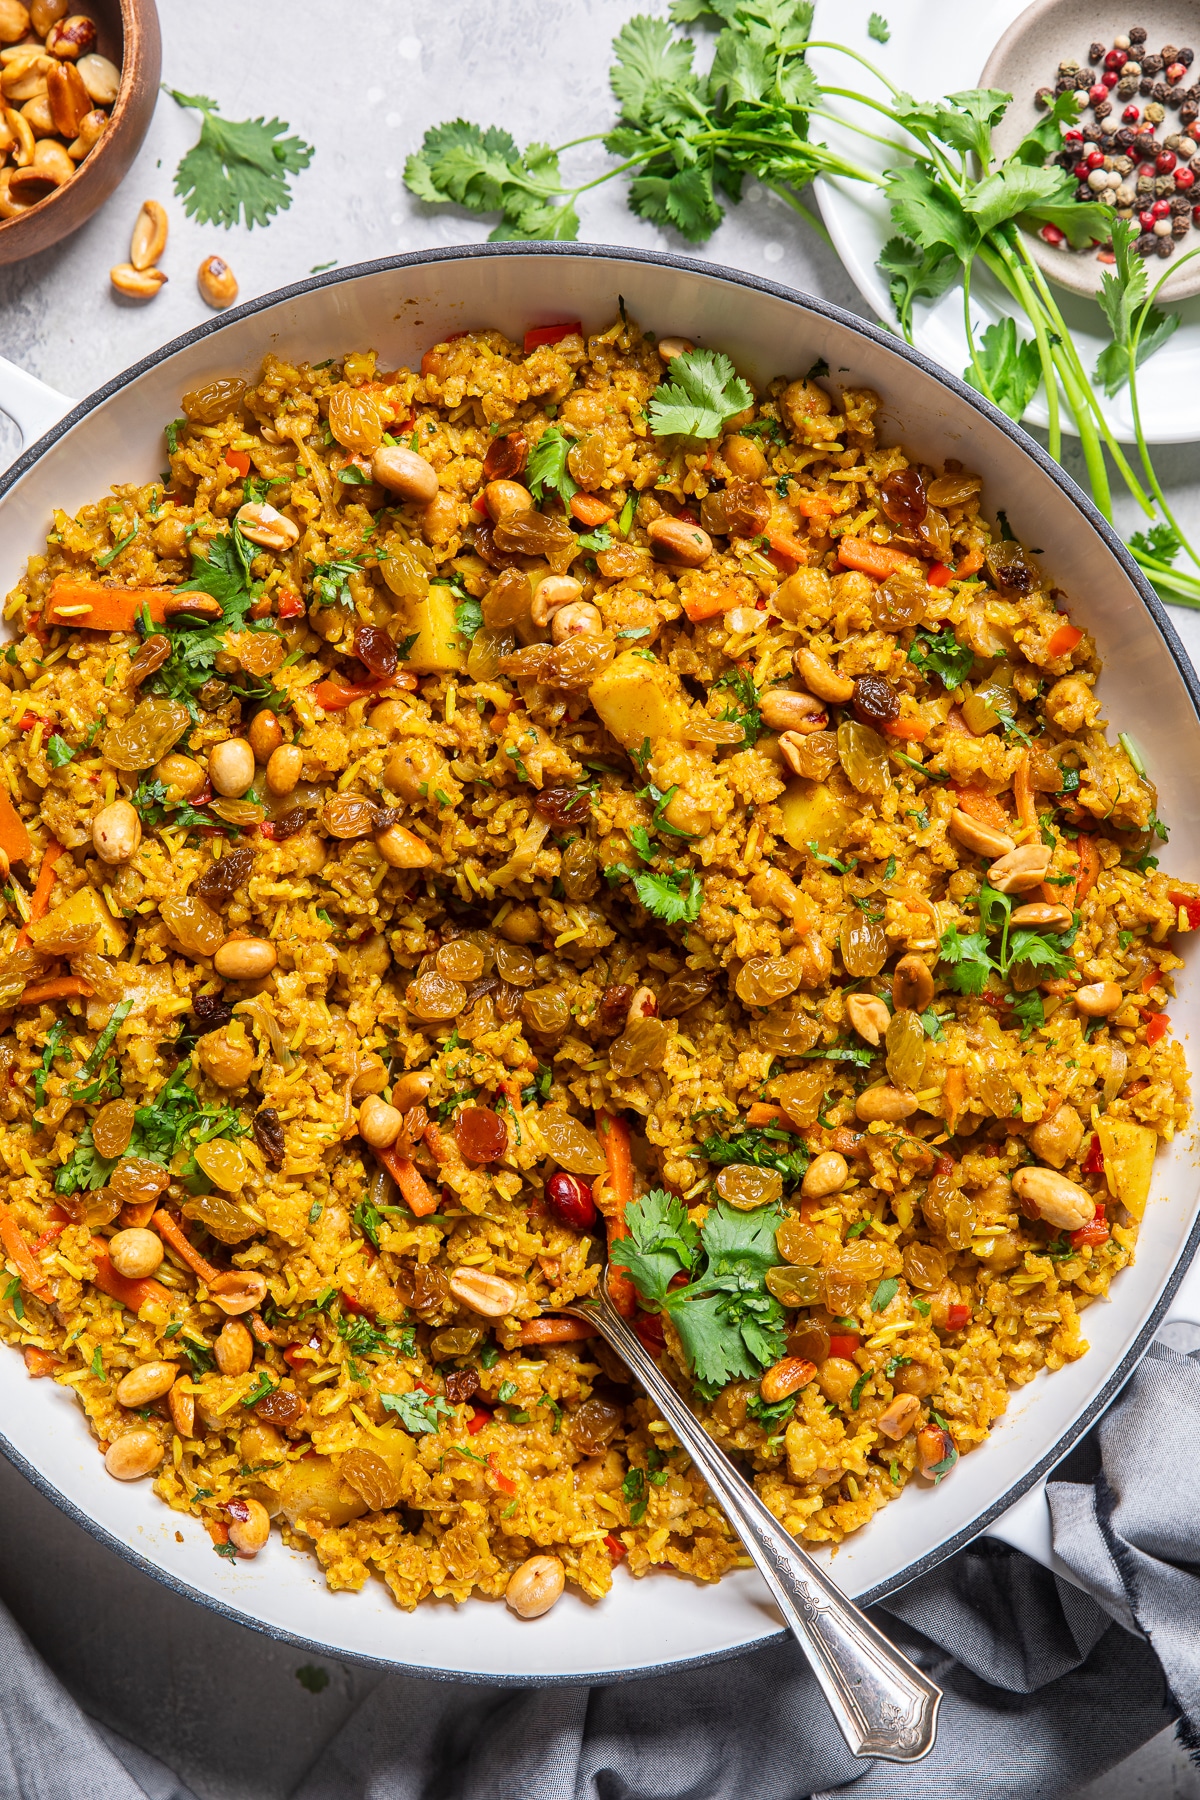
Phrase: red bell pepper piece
[957,1316]
[938,575]
[1093,1162]
[615,1547]
[239,460]
[1094,1232]
[551,334]
[478,1419]
[843,1343]
[1157,1027]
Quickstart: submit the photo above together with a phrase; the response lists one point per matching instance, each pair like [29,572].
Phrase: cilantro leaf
[417,1412]
[1040,952]
[58,752]
[675,897]
[547,467]
[925,212]
[468,618]
[878,28]
[728,1323]
[238,169]
[745,712]
[1029,1010]
[662,1243]
[701,392]
[486,172]
[942,656]
[224,575]
[766,1149]
[915,274]
[1123,288]
[1162,542]
[1010,368]
[970,963]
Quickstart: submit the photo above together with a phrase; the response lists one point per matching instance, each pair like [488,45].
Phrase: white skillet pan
[400,307]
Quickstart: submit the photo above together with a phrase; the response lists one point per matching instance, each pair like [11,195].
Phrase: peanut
[979,838]
[1062,1203]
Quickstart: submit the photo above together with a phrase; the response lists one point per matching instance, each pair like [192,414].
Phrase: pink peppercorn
[1164,162]
[1146,220]
[1050,234]
[1072,138]
[1176,73]
[1094,159]
[1185,179]
[1097,94]
[1131,115]
[1160,209]
[1116,59]
[1193,131]
[1196,215]
[1109,79]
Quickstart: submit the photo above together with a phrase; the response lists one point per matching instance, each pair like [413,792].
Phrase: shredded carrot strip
[417,1194]
[40,901]
[28,1268]
[879,560]
[131,1293]
[168,1227]
[614,1138]
[87,606]
[59,987]
[765,1112]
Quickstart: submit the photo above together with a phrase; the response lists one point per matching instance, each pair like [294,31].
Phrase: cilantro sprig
[701,392]
[238,169]
[730,1326]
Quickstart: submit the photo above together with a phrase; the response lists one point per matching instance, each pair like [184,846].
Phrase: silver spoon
[883,1705]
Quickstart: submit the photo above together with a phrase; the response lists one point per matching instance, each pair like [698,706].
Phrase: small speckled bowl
[1027,58]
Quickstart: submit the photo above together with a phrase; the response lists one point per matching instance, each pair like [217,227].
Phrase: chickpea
[744,457]
[132,1455]
[837,1376]
[1057,1139]
[170,538]
[403,849]
[504,497]
[379,1123]
[135,1253]
[403,472]
[521,925]
[116,832]
[245,958]
[183,775]
[416,765]
[231,767]
[149,1381]
[250,1526]
[265,736]
[227,1056]
[915,1378]
[535,1587]
[234,1348]
[579,619]
[389,718]
[439,521]
[284,767]
[372,1072]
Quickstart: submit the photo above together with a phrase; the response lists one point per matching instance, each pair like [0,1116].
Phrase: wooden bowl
[1027,58]
[127,33]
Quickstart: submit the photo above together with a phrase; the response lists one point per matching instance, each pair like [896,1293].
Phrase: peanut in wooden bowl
[128,34]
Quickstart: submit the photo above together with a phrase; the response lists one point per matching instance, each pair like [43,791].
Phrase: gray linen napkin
[1046,1686]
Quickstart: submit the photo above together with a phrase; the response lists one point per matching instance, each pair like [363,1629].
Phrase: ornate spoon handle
[883,1705]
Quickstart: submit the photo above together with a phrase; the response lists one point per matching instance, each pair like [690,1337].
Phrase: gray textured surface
[228,1712]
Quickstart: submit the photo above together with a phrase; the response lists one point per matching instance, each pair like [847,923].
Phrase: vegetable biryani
[451,812]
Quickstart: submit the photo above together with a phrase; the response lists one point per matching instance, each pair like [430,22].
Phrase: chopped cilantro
[417,1412]
[942,656]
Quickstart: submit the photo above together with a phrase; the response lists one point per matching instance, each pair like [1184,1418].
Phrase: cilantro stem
[809,217]
[1151,473]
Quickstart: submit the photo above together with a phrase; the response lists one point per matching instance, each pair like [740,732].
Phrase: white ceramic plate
[401,307]
[940,48]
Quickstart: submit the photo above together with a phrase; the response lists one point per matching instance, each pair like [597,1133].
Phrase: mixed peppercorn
[1118,156]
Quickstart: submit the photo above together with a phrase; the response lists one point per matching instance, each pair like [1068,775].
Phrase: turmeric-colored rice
[440,933]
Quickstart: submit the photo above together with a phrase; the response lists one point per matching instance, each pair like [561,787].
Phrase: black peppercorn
[1146,244]
[1165,246]
[1102,111]
[1169,53]
[1125,137]
[1180,225]
[1137,34]
[1189,112]
[1145,85]
[1181,204]
[1152,64]
[1092,134]
[1186,56]
[1083,80]
[1096,53]
[1043,97]
[1175,96]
